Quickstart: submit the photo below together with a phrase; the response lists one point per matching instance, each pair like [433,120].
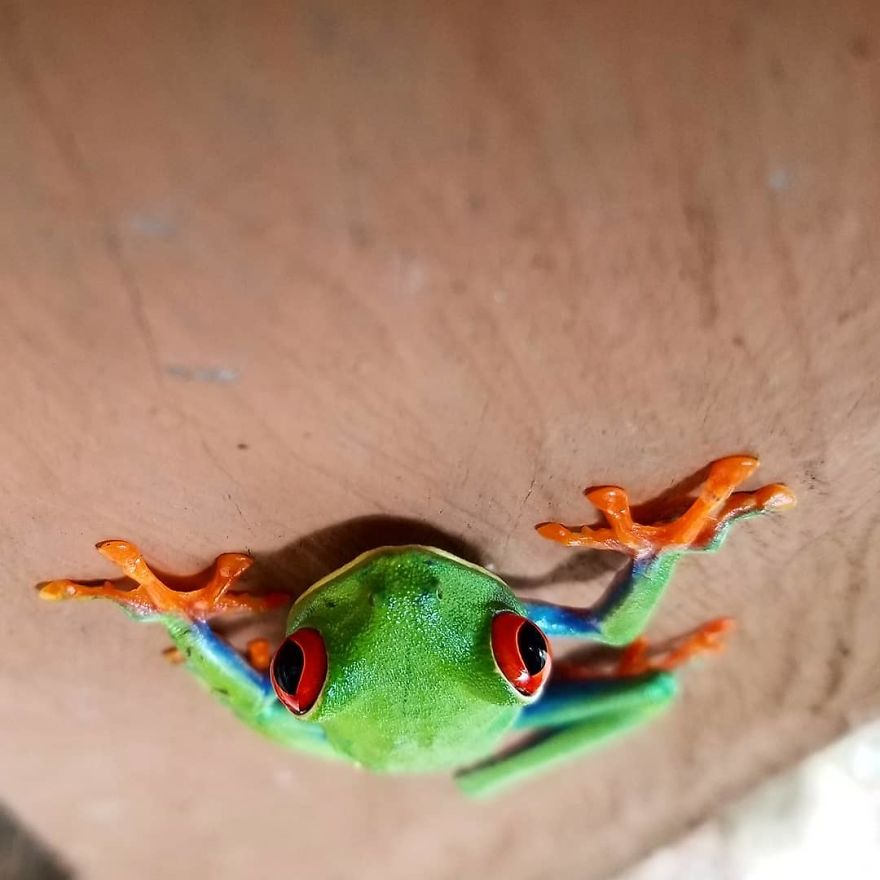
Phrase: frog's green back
[412,684]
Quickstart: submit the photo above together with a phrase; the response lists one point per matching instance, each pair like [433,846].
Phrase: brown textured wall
[268,268]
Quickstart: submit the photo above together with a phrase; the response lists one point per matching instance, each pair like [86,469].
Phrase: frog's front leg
[622,613]
[183,610]
[195,597]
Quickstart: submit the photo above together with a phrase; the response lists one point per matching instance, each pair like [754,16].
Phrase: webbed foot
[641,657]
[196,597]
[701,527]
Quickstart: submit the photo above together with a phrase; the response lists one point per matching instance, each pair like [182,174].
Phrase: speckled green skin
[412,684]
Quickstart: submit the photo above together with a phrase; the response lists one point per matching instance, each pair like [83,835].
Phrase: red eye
[299,669]
[521,652]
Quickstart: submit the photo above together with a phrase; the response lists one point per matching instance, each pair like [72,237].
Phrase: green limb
[248,693]
[624,611]
[182,610]
[565,702]
[621,614]
[218,666]
[577,718]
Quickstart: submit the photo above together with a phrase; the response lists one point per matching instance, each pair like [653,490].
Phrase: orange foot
[259,654]
[196,597]
[695,529]
[639,658]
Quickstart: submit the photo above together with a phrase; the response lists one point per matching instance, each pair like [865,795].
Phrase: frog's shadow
[296,566]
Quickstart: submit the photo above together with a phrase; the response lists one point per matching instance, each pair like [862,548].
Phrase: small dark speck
[777,71]
[361,235]
[739,35]
[330,603]
[439,594]
[221,691]
[738,341]
[543,262]
[324,28]
[860,47]
[242,446]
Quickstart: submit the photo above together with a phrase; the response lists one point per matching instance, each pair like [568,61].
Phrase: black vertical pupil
[532,647]
[288,666]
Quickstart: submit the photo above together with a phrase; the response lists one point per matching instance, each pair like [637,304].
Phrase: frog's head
[410,659]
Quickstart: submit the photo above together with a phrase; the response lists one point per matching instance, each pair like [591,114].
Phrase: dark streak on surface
[703,229]
[23,857]
[68,149]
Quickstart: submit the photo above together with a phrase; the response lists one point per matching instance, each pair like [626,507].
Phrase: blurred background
[269,269]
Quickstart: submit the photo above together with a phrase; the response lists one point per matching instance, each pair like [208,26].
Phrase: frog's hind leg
[641,657]
[587,704]
[572,718]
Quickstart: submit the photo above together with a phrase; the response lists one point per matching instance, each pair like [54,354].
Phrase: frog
[410,659]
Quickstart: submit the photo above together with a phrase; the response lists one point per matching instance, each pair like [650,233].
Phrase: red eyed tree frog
[409,659]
